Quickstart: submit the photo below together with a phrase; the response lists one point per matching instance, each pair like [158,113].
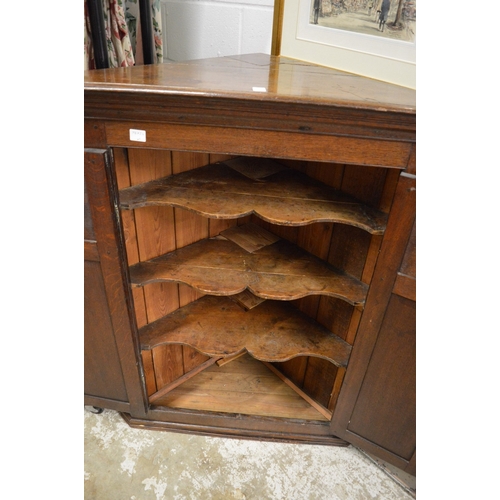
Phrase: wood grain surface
[286,197]
[280,271]
[271,331]
[244,386]
[283,79]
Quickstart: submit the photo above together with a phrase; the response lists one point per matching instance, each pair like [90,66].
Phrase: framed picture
[373,38]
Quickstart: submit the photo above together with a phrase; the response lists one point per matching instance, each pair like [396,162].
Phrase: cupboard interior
[304,387]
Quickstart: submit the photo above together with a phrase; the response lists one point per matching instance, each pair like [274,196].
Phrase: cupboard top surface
[256,77]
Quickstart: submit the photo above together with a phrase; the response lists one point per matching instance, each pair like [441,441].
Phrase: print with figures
[392,19]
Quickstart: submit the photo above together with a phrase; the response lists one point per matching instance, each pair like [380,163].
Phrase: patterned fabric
[156,8]
[121,20]
[88,52]
[133,20]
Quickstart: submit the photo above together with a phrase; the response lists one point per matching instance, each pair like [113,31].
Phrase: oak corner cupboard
[250,243]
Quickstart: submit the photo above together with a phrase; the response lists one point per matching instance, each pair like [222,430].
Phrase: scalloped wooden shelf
[272,331]
[229,190]
[279,271]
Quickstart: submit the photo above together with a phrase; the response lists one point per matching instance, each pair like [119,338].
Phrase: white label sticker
[259,89]
[137,135]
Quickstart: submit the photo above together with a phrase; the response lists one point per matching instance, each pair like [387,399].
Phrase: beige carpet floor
[122,463]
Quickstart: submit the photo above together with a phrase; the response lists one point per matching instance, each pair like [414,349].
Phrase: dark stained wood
[349,133]
[308,305]
[412,163]
[95,134]
[254,427]
[381,373]
[364,183]
[229,78]
[330,174]
[289,233]
[406,280]
[272,331]
[255,168]
[319,379]
[392,251]
[103,374]
[337,385]
[286,198]
[335,314]
[409,264]
[294,369]
[315,239]
[103,378]
[349,249]
[112,404]
[101,190]
[214,158]
[265,144]
[387,195]
[88,233]
[90,251]
[279,271]
[411,468]
[392,377]
[406,286]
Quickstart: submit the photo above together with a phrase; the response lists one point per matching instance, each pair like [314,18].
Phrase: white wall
[195,29]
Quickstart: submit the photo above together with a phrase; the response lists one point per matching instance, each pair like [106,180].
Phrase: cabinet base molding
[227,432]
[112,404]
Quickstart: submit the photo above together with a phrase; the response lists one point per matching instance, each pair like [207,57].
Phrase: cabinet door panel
[376,408]
[113,367]
[389,384]
[103,374]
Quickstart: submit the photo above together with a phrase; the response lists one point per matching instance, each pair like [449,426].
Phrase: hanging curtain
[132,16]
[158,39]
[123,34]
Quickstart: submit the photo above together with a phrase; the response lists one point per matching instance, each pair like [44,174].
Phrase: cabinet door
[376,407]
[113,371]
[103,381]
